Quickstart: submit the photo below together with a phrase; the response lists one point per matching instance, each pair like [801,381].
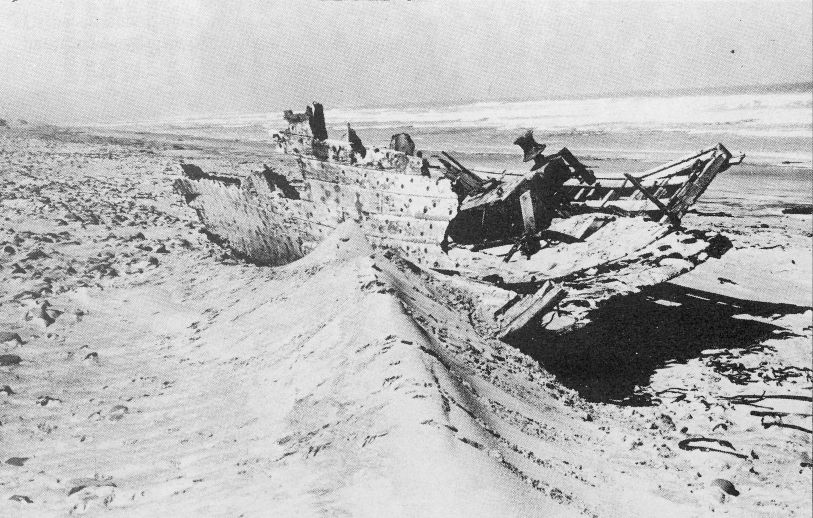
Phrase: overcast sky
[108,60]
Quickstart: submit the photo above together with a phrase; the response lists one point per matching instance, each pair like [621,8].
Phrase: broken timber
[664,211]
[519,316]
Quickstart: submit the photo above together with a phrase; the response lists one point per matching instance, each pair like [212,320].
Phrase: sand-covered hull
[261,234]
[620,255]
[505,230]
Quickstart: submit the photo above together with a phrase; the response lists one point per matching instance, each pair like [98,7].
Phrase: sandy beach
[145,371]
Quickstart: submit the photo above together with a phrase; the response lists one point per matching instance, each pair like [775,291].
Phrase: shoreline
[484,160]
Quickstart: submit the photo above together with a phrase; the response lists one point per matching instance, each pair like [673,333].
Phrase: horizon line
[663,92]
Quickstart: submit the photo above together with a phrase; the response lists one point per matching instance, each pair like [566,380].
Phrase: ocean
[773,126]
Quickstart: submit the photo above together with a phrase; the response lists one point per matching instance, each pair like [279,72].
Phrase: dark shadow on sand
[634,336]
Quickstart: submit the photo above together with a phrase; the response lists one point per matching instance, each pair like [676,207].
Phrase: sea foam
[773,127]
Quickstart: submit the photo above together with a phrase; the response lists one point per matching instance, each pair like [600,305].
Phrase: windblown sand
[145,372]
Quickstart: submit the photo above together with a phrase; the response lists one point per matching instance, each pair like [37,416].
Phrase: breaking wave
[772,127]
[788,114]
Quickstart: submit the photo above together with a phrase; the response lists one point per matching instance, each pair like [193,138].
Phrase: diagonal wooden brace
[664,211]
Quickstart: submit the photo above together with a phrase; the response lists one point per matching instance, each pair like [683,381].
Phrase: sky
[108,60]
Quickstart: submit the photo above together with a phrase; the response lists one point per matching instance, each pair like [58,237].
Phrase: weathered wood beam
[676,162]
[526,311]
[607,198]
[526,205]
[686,197]
[664,211]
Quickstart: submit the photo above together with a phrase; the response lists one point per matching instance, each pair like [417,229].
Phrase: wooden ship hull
[605,248]
[669,189]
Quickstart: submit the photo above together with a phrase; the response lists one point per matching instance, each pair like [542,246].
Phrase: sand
[150,373]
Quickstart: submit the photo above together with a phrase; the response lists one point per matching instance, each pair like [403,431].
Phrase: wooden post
[526,204]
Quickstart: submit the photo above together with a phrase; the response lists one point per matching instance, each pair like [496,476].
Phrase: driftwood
[751,399]
[776,413]
[688,445]
[778,422]
[770,417]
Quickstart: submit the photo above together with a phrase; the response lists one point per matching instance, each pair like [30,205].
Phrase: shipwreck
[545,247]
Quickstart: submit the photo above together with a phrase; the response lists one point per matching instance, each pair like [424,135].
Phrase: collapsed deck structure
[537,256]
